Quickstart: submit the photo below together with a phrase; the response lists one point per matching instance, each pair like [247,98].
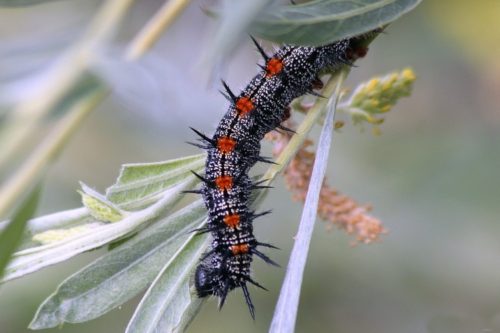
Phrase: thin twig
[155,27]
[36,165]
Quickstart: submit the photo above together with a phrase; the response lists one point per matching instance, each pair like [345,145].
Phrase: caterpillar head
[211,278]
[205,281]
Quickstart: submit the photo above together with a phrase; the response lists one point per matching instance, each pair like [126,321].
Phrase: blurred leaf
[121,274]
[169,302]
[145,86]
[235,18]
[325,21]
[33,168]
[83,87]
[22,3]
[285,313]
[157,184]
[11,235]
[71,67]
[23,61]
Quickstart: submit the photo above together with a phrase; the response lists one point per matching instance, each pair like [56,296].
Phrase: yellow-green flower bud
[379,95]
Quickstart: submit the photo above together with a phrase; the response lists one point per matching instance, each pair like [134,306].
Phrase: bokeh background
[432,176]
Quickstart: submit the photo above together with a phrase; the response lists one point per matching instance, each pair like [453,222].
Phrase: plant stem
[37,163]
[155,27]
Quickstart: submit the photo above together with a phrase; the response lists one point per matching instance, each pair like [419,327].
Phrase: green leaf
[66,218]
[72,232]
[11,235]
[138,185]
[61,220]
[99,207]
[33,259]
[169,305]
[121,274]
[325,21]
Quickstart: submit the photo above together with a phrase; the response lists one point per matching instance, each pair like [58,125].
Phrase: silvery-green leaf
[285,313]
[169,304]
[120,274]
[70,217]
[35,258]
[57,235]
[138,185]
[99,207]
[324,21]
[159,184]
[61,220]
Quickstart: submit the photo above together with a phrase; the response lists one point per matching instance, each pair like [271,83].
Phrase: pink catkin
[338,209]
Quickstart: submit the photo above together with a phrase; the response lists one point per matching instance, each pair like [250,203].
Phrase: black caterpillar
[234,148]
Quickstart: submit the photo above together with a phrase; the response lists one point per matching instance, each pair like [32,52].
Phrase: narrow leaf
[169,302]
[61,220]
[58,235]
[11,235]
[66,234]
[33,259]
[119,275]
[70,217]
[285,313]
[325,21]
[150,79]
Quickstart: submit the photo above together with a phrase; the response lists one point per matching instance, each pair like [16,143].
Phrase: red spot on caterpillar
[225,144]
[239,249]
[232,220]
[244,105]
[233,149]
[224,182]
[274,66]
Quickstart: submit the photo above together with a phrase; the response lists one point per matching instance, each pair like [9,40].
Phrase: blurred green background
[432,176]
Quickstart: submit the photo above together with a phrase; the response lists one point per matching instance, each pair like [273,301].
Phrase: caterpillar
[235,147]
